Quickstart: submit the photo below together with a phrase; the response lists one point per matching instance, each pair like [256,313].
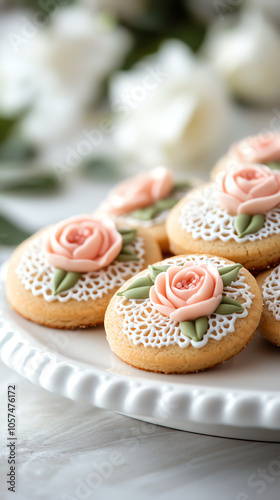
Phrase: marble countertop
[68,451]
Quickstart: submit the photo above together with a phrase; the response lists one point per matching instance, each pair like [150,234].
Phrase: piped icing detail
[37,274]
[158,212]
[82,244]
[140,191]
[252,189]
[188,292]
[202,217]
[262,148]
[144,324]
[185,293]
[271,292]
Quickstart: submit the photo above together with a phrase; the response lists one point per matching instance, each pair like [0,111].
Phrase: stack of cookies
[197,307]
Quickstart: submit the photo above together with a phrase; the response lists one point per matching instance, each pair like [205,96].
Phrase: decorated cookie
[263,148]
[269,283]
[184,314]
[65,276]
[145,201]
[238,217]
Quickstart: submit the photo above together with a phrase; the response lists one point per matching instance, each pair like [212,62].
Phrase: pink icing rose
[140,191]
[258,149]
[252,189]
[187,292]
[83,244]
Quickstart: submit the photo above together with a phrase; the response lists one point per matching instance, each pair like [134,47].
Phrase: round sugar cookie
[145,201]
[49,295]
[269,283]
[184,314]
[238,218]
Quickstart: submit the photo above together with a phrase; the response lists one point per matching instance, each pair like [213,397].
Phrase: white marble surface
[63,449]
[72,452]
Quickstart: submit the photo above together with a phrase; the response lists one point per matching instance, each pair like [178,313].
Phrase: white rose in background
[18,75]
[171,108]
[57,72]
[246,53]
[268,7]
[79,49]
[76,53]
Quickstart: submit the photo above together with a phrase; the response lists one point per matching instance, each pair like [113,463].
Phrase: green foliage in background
[10,234]
[36,183]
[163,19]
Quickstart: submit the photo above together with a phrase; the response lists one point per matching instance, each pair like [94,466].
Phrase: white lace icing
[271,292]
[36,274]
[203,218]
[143,324]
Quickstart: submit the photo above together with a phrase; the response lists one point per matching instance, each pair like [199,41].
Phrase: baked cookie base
[158,232]
[269,327]
[174,359]
[64,315]
[253,255]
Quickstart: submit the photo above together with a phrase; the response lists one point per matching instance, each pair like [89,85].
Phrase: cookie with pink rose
[269,283]
[237,217]
[263,148]
[65,275]
[145,201]
[184,314]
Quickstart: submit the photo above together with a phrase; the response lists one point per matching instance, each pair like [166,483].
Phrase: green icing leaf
[248,224]
[201,326]
[152,211]
[139,289]
[144,213]
[188,329]
[256,224]
[229,273]
[166,204]
[59,276]
[128,235]
[181,186]
[195,330]
[274,165]
[64,280]
[241,222]
[126,255]
[228,306]
[155,270]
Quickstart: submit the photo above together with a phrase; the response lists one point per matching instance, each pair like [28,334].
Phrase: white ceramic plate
[240,398]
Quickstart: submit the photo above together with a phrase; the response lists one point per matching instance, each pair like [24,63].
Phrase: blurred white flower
[268,7]
[80,49]
[246,53]
[18,76]
[171,108]
[77,52]
[59,71]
